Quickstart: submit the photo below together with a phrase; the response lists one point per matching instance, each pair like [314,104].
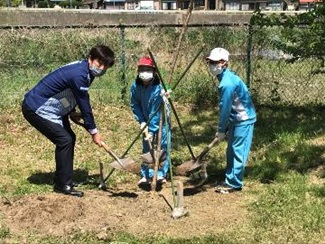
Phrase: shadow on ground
[46,178]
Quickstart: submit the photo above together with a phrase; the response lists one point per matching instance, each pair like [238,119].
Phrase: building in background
[114,4]
[305,5]
[152,5]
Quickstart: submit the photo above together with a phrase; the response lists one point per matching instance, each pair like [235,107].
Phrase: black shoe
[68,190]
[75,184]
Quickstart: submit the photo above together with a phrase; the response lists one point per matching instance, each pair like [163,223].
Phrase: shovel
[151,116]
[195,163]
[149,157]
[122,164]
[119,163]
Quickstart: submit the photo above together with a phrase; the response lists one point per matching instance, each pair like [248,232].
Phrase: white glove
[221,136]
[166,93]
[149,137]
[142,125]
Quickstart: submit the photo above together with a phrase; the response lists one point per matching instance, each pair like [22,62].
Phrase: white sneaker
[161,180]
[143,181]
[223,188]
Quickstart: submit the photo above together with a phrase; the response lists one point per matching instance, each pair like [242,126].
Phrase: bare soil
[126,209]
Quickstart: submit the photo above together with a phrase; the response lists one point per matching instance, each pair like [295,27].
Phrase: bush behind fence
[30,53]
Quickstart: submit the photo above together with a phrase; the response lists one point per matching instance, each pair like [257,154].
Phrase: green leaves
[303,35]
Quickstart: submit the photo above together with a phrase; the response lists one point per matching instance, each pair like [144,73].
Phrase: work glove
[166,94]
[148,137]
[142,125]
[221,136]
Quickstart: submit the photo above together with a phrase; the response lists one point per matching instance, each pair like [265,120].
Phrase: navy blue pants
[63,138]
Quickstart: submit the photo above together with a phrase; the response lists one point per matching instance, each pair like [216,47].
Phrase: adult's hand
[97,139]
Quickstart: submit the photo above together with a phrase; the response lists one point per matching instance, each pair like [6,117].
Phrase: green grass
[288,207]
[289,211]
[284,172]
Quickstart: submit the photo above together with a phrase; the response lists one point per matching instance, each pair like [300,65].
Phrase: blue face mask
[97,71]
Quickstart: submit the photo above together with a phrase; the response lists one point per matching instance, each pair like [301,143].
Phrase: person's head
[100,58]
[146,70]
[218,60]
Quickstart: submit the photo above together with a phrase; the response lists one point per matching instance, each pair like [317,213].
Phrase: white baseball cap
[218,54]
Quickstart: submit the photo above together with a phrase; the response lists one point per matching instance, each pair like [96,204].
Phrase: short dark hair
[104,54]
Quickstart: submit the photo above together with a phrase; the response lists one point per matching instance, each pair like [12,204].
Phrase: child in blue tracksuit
[48,105]
[236,118]
[146,97]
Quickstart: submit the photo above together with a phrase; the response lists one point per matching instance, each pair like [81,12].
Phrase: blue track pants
[239,144]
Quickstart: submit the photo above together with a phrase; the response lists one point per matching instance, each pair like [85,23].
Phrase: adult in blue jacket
[236,118]
[48,105]
[146,97]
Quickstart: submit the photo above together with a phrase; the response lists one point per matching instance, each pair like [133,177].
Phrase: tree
[302,35]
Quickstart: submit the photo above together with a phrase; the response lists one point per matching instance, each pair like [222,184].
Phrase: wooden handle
[146,134]
[207,149]
[110,152]
[107,149]
[214,142]
[105,146]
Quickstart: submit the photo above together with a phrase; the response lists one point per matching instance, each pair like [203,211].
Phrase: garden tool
[123,163]
[157,155]
[180,38]
[170,101]
[195,163]
[149,157]
[101,176]
[140,132]
[119,163]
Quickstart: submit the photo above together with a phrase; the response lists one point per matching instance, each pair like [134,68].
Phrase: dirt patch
[127,209]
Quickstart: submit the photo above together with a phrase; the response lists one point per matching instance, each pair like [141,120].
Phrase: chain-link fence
[276,76]
[30,53]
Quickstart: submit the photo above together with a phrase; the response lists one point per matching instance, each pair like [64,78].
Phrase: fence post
[248,55]
[122,62]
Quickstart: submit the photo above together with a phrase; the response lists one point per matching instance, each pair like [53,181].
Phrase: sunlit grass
[289,209]
[288,149]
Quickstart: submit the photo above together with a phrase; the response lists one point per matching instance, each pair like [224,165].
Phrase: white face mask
[146,75]
[216,69]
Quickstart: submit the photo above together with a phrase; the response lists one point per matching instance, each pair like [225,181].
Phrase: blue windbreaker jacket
[235,104]
[145,101]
